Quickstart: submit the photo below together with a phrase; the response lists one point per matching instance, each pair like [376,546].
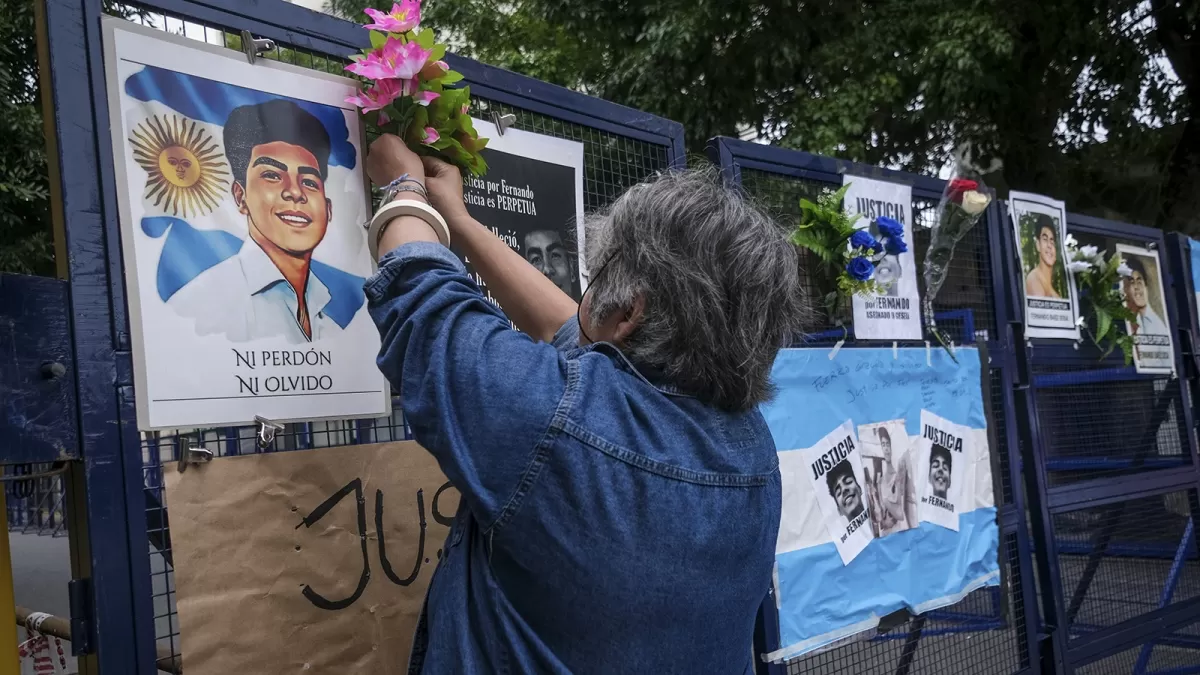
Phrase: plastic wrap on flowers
[962,205]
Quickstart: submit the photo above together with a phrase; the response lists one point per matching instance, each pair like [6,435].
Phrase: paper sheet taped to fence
[308,561]
[887,489]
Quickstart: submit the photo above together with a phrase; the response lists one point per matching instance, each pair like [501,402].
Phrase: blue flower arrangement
[848,253]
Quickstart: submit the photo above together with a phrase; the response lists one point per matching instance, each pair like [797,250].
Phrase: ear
[239,198]
[328,209]
[633,319]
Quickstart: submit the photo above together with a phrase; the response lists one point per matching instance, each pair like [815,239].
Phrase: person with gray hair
[620,489]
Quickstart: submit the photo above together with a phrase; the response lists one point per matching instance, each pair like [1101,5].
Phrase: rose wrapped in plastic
[962,205]
[407,89]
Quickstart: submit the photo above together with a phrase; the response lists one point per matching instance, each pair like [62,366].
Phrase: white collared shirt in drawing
[246,298]
[1149,323]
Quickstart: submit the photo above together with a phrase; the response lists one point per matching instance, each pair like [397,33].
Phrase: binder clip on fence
[503,122]
[266,431]
[189,456]
[254,47]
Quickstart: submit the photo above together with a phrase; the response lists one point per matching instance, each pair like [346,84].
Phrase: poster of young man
[532,198]
[887,465]
[1153,351]
[242,198]
[894,315]
[944,470]
[1040,226]
[835,467]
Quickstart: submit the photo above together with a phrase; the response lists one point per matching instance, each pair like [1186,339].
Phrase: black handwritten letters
[943,438]
[355,487]
[873,208]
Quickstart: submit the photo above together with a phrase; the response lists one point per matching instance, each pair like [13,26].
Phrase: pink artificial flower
[393,61]
[425,97]
[383,117]
[433,70]
[381,94]
[466,106]
[405,16]
[431,136]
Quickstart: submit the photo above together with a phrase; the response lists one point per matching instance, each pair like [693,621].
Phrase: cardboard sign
[310,561]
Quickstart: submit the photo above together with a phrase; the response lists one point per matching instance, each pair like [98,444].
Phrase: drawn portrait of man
[844,488]
[1040,280]
[545,250]
[1139,286]
[940,464]
[278,155]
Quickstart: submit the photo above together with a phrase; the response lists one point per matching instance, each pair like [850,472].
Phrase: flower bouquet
[406,90]
[1099,281]
[849,256]
[962,205]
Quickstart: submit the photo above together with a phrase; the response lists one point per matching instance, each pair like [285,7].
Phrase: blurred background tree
[1093,101]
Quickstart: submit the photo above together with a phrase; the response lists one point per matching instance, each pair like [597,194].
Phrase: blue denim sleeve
[477,394]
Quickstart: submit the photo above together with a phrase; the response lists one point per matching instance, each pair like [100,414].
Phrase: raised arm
[537,306]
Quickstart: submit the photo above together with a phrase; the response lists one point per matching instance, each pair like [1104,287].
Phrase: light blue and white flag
[887,489]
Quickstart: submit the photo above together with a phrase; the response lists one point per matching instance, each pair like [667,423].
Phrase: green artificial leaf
[425,38]
[439,52]
[378,39]
[450,77]
[1103,323]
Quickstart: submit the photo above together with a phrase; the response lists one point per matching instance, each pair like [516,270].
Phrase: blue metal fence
[973,307]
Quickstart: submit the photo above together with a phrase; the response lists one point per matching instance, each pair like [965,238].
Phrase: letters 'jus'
[356,487]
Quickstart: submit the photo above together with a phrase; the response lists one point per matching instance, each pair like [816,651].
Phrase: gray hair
[719,278]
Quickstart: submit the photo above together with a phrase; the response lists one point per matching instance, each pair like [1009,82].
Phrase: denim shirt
[608,524]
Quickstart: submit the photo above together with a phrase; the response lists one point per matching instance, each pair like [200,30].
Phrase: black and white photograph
[895,313]
[887,465]
[836,471]
[943,470]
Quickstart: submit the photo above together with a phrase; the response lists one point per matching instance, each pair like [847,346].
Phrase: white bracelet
[405,207]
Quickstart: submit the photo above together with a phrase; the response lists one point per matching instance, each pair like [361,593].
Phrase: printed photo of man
[545,250]
[845,490]
[1137,299]
[1039,282]
[939,470]
[279,156]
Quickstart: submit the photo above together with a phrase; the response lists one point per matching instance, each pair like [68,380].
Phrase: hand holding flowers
[407,90]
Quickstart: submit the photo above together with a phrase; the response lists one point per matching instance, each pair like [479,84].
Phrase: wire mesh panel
[980,635]
[1176,653]
[612,163]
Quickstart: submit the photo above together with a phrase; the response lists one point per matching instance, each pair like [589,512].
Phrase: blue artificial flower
[860,269]
[889,227]
[863,239]
[895,246]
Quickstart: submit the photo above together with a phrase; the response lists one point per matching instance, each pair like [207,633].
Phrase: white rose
[1124,270]
[1088,252]
[1078,266]
[1070,241]
[975,202]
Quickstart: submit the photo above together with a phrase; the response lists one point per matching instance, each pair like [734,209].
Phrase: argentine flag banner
[242,196]
[887,489]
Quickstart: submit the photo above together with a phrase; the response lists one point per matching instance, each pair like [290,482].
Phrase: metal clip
[266,431]
[189,456]
[503,122]
[254,47]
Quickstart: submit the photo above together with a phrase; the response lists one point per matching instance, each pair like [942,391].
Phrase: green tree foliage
[1083,99]
[26,245]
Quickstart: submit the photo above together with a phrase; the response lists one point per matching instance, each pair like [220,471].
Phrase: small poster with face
[532,198]
[945,454]
[1153,350]
[242,200]
[1051,306]
[887,467]
[894,314]
[835,469]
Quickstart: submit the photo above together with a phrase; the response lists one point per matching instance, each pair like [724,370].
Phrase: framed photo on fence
[1048,291]
[242,196]
[1144,293]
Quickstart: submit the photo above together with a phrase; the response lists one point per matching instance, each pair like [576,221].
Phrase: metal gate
[1112,486]
[991,631]
[125,543]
